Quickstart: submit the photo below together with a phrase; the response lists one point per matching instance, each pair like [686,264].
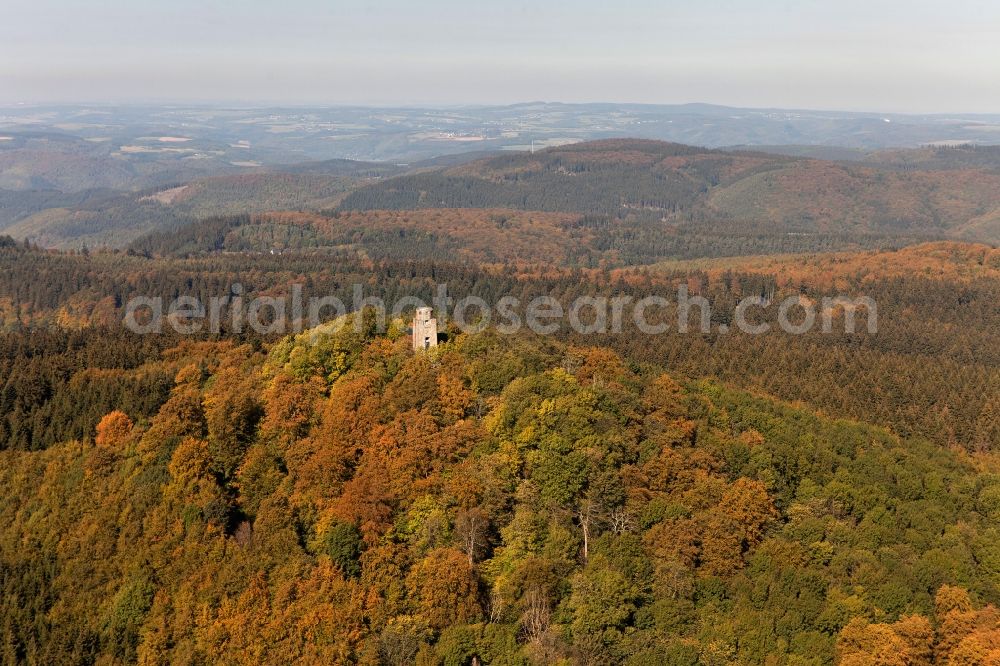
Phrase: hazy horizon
[250,104]
[894,57]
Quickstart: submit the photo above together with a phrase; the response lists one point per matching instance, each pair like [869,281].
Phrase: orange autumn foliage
[113,430]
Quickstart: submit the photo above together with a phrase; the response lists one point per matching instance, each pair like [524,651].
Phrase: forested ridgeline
[673,183]
[930,369]
[497,235]
[335,498]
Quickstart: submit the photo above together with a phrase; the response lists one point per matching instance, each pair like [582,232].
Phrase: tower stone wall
[424,329]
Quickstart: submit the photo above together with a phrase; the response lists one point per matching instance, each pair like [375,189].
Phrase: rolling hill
[113,218]
[634,201]
[932,196]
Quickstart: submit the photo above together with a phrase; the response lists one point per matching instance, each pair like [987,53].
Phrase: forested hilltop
[334,498]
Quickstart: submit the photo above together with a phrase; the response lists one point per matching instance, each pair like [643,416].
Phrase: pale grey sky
[896,55]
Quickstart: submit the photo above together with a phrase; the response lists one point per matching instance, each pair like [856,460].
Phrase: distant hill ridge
[926,192]
[654,189]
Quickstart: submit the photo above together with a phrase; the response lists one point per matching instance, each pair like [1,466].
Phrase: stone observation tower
[425,329]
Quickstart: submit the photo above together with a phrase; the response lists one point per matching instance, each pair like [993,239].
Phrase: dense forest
[931,369]
[336,498]
[498,235]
